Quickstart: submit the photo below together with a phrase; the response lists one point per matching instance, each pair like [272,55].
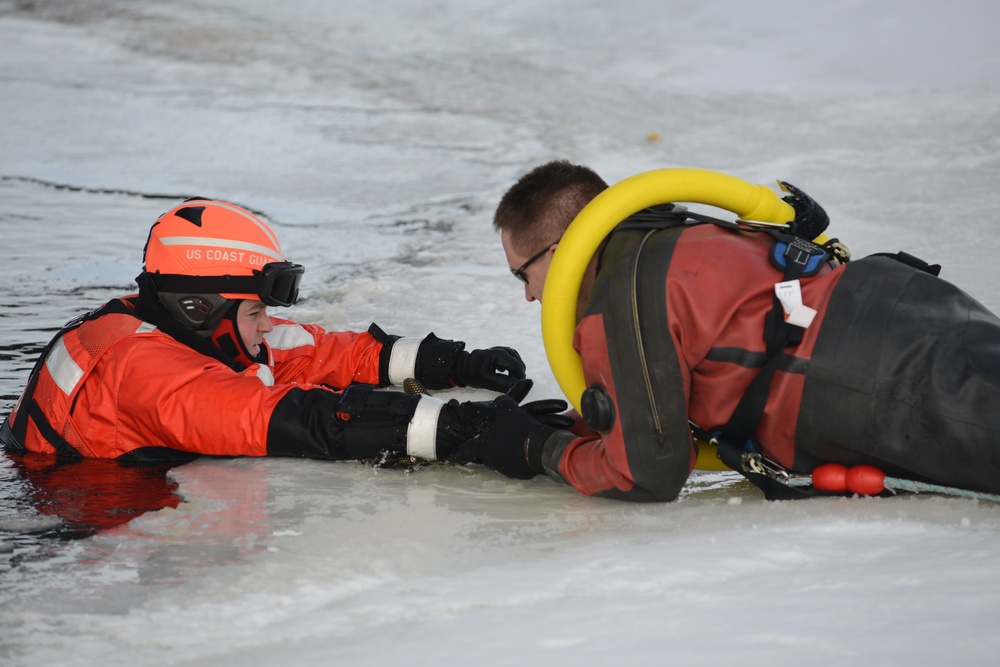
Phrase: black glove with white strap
[439,364]
[362,422]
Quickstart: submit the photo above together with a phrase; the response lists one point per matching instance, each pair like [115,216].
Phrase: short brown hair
[537,209]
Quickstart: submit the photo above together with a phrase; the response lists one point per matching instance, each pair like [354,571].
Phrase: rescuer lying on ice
[193,364]
[681,332]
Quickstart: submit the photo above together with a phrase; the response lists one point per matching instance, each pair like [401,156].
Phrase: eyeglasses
[519,273]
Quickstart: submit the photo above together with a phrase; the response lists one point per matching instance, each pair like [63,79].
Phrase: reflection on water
[44,504]
[85,497]
[223,520]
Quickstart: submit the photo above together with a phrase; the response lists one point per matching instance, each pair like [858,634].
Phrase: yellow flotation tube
[593,224]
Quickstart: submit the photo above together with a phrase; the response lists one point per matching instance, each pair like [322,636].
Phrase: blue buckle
[799,254]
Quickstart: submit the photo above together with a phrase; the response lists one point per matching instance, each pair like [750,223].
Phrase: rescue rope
[867,480]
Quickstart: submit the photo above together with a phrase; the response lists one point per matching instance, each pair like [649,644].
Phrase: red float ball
[865,480]
[830,477]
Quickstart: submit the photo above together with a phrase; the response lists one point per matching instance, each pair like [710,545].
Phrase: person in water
[195,365]
[681,334]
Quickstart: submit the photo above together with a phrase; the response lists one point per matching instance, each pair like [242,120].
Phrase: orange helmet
[205,249]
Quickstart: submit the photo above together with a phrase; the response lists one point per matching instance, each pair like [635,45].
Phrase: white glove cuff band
[421,435]
[403,359]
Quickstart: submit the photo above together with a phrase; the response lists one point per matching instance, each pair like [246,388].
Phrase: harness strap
[743,457]
[735,440]
[64,450]
[29,406]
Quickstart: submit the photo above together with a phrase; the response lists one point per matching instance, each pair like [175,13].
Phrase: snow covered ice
[378,138]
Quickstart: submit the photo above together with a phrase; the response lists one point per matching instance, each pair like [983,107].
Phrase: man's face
[534,274]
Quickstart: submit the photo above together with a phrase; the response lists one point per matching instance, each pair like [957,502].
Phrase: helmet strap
[149,307]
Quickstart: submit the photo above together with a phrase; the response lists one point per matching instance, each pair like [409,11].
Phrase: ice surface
[378,138]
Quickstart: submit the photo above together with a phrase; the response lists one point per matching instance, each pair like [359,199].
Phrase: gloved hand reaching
[495,368]
[512,445]
[549,411]
[445,363]
[460,423]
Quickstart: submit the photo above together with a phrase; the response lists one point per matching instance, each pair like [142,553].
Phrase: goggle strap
[206,284]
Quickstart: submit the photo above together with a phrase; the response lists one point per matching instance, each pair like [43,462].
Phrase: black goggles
[280,283]
[275,284]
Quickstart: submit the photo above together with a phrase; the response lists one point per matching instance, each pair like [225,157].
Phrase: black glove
[461,422]
[513,444]
[810,218]
[444,363]
[495,368]
[547,410]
